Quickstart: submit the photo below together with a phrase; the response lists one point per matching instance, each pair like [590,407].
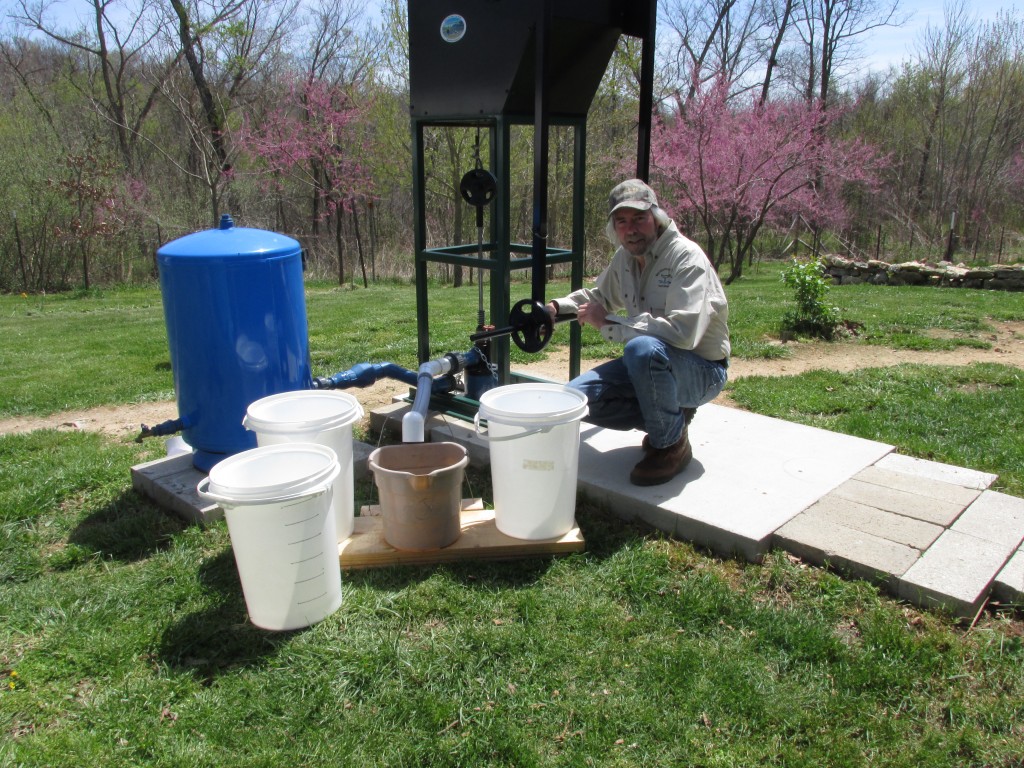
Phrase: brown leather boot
[688,414]
[660,465]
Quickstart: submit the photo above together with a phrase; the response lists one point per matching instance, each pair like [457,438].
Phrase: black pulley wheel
[478,187]
[532,325]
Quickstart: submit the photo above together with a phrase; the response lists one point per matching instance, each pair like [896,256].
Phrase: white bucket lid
[306,410]
[533,404]
[272,473]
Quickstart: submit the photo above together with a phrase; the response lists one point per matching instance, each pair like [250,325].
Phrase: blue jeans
[648,387]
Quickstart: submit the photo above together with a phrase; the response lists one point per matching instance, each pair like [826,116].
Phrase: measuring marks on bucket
[310,553]
[277,501]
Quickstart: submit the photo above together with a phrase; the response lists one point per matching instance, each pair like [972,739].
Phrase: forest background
[149,119]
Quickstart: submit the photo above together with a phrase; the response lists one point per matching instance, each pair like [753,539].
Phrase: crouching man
[674,327]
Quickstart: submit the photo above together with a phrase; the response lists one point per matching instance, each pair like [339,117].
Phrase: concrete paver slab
[922,486]
[360,453]
[834,510]
[955,572]
[994,517]
[855,552]
[1008,586]
[750,475]
[928,532]
[930,510]
[171,482]
[947,473]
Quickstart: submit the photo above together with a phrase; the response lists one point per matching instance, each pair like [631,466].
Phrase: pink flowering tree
[314,137]
[739,167]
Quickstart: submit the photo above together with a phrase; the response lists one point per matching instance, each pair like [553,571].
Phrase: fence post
[951,243]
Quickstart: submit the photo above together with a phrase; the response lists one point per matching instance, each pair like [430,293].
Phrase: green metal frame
[502,257]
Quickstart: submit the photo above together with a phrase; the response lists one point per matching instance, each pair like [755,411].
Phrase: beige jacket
[678,297]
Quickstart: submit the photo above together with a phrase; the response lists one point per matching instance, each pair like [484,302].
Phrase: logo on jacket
[664,278]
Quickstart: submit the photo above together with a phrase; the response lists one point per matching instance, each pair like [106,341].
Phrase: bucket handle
[203,487]
[484,432]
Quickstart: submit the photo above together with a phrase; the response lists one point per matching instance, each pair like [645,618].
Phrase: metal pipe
[163,429]
[540,152]
[365,374]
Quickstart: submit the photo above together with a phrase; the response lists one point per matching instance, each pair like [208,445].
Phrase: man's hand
[592,313]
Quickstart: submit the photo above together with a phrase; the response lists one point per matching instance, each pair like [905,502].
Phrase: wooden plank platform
[480,540]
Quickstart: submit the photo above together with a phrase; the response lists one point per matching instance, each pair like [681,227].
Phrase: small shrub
[813,315]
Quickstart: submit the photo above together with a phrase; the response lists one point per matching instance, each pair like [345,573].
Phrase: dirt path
[1007,348]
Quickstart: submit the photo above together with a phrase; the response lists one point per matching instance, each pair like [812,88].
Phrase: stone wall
[999,277]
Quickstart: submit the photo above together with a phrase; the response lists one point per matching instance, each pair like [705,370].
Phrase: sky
[882,47]
[890,46]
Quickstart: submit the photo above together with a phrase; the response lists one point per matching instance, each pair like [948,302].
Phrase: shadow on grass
[603,533]
[128,529]
[220,638]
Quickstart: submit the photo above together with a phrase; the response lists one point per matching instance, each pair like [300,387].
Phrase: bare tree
[338,46]
[830,31]
[778,15]
[941,60]
[339,49]
[697,27]
[226,45]
[992,121]
[118,51]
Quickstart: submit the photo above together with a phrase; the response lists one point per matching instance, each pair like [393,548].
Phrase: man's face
[635,229]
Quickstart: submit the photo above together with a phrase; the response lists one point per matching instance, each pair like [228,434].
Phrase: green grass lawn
[124,640]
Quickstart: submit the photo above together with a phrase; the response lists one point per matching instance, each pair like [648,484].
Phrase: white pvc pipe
[413,422]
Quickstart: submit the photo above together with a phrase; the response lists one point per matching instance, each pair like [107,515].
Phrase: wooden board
[480,540]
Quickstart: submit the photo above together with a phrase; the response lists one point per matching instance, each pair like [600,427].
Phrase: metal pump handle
[531,326]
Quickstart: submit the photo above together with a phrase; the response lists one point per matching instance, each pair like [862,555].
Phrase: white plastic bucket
[324,417]
[534,436]
[277,503]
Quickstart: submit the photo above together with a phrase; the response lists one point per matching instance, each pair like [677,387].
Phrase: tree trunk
[359,243]
[776,45]
[371,217]
[85,265]
[339,245]
[211,110]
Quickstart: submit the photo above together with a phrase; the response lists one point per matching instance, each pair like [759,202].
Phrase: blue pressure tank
[236,325]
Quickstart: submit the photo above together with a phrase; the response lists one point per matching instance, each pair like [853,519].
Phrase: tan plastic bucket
[420,487]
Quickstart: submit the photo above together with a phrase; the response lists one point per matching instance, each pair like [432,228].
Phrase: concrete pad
[1008,586]
[930,510]
[996,518]
[389,417]
[833,510]
[750,475]
[933,470]
[447,429]
[854,552]
[171,482]
[956,573]
[922,486]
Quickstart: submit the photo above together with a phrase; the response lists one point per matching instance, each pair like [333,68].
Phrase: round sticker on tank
[453,28]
